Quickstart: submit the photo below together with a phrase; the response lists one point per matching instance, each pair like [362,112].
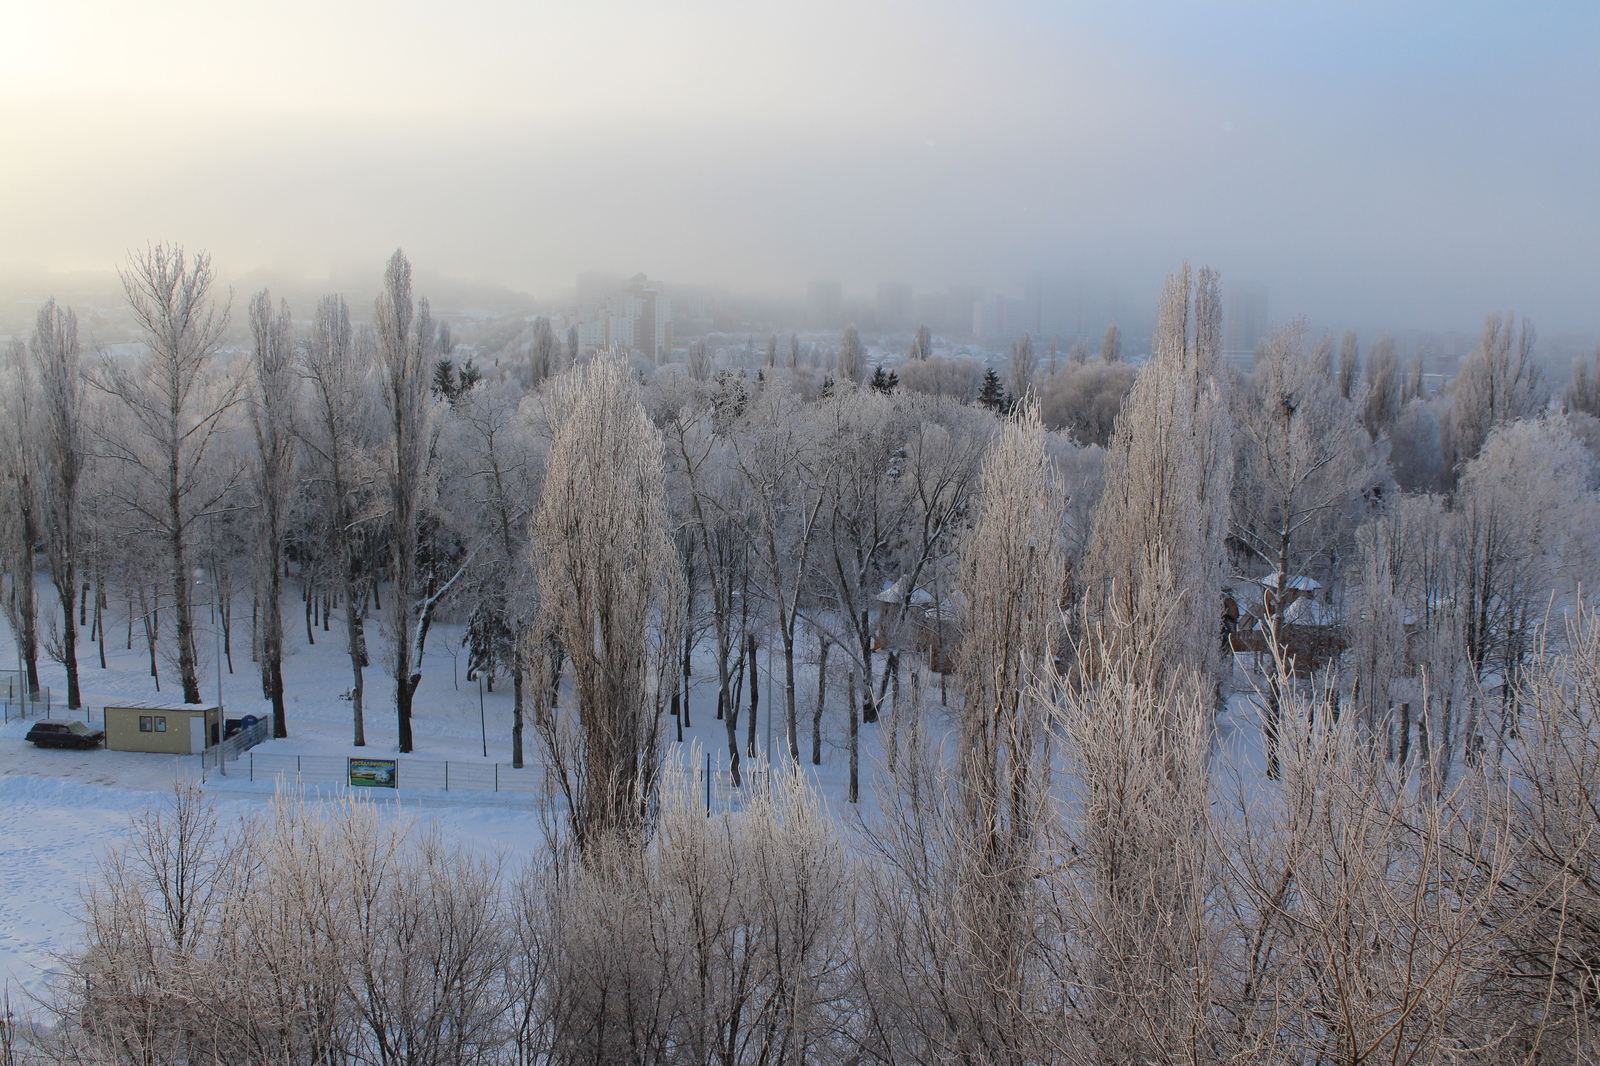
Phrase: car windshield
[79,728]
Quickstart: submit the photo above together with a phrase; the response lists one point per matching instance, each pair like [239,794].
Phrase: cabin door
[197,733]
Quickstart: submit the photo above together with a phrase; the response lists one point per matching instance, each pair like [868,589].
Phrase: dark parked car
[61,733]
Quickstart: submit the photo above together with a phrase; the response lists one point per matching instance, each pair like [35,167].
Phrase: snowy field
[60,809]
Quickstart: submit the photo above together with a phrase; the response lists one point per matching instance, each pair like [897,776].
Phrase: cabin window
[161,724]
[146,723]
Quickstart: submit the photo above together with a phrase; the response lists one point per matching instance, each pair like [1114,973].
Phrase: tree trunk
[869,709]
[688,659]
[516,704]
[225,615]
[791,726]
[854,794]
[822,699]
[100,622]
[182,604]
[755,701]
[728,707]
[69,653]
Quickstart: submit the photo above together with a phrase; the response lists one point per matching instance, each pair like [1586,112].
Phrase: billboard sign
[374,773]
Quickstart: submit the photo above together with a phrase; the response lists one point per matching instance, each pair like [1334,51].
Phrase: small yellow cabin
[171,728]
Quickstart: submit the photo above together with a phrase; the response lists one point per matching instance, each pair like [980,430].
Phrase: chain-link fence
[710,785]
[439,774]
[19,701]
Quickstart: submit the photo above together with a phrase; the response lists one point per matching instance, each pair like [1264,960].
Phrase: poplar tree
[1155,557]
[272,417]
[60,448]
[852,361]
[610,592]
[19,524]
[403,355]
[1111,345]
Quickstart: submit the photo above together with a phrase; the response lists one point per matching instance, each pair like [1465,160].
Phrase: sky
[1376,164]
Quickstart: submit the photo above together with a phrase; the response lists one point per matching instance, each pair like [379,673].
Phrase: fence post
[447,775]
[708,784]
[497,777]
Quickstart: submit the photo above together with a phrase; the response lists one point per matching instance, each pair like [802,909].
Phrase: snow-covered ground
[60,809]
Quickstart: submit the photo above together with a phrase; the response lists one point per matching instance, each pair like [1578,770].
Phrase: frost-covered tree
[1111,345]
[713,515]
[953,969]
[1012,569]
[1349,365]
[19,525]
[1583,393]
[405,347]
[544,353]
[170,404]
[852,358]
[1084,399]
[1416,387]
[1019,375]
[941,377]
[337,433]
[495,446]
[863,511]
[61,450]
[921,346]
[1301,460]
[776,456]
[1322,356]
[610,592]
[1155,559]
[1525,530]
[1385,393]
[699,360]
[272,395]
[1499,382]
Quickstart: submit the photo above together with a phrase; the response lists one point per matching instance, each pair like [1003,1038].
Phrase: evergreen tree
[885,382]
[993,395]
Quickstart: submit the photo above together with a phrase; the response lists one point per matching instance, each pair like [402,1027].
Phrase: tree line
[1067,862]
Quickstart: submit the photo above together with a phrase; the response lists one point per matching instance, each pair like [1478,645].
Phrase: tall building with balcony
[635,315]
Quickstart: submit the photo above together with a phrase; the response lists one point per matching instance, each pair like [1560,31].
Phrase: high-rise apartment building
[1244,319]
[894,305]
[825,304]
[636,315]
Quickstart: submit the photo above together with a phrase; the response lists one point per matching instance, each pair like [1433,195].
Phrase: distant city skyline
[1388,165]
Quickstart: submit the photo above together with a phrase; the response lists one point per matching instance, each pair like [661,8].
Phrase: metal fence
[216,757]
[18,701]
[412,773]
[711,785]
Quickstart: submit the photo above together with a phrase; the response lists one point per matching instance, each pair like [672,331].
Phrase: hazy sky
[1375,164]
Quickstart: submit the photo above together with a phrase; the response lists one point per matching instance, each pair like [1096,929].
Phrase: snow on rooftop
[1299,582]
